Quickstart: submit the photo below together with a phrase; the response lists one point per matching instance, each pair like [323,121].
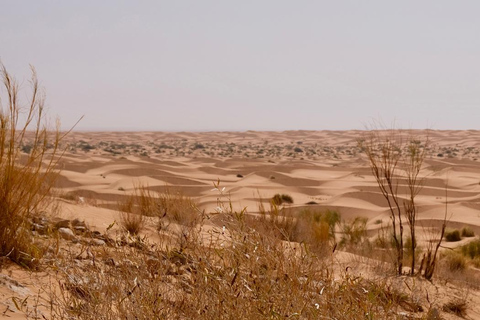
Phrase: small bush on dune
[131,217]
[178,207]
[457,307]
[277,222]
[136,207]
[25,178]
[316,227]
[472,249]
[168,205]
[452,236]
[279,199]
[353,232]
[467,232]
[455,262]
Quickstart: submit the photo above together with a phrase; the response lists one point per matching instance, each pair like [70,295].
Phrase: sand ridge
[323,167]
[319,169]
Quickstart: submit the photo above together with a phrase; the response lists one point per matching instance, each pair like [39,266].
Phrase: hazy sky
[249,65]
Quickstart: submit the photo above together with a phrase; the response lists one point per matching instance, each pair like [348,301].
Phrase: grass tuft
[457,307]
[279,199]
[452,236]
[467,232]
[456,262]
[27,174]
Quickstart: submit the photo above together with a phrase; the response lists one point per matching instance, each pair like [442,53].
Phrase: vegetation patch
[452,235]
[25,182]
[472,249]
[279,199]
[467,232]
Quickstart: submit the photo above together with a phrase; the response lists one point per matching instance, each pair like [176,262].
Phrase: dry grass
[179,208]
[455,262]
[312,227]
[168,206]
[457,307]
[227,268]
[131,222]
[467,232]
[29,153]
[238,273]
[135,207]
[472,249]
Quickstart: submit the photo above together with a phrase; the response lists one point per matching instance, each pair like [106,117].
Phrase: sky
[248,65]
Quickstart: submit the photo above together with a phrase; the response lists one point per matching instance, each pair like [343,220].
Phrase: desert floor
[319,169]
[324,168]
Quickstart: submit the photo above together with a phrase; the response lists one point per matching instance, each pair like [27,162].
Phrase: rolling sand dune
[324,168]
[320,170]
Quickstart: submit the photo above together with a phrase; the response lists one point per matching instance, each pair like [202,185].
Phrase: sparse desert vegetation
[279,199]
[26,172]
[184,225]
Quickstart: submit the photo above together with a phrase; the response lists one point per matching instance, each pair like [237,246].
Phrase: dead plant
[29,153]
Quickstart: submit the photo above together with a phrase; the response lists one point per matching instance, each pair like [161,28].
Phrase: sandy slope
[321,166]
[325,167]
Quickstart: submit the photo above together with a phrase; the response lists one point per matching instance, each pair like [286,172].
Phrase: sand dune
[320,170]
[323,167]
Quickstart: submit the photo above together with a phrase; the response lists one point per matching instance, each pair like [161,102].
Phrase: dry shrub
[354,232]
[471,249]
[172,206]
[239,274]
[313,228]
[467,232]
[146,201]
[29,153]
[133,210]
[455,262]
[178,207]
[276,222]
[408,256]
[132,222]
[317,227]
[457,307]
[452,235]
[279,199]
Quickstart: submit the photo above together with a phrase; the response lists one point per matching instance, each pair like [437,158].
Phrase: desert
[225,173]
[248,160]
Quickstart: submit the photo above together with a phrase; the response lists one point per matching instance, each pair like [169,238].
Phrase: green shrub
[467,232]
[452,236]
[279,199]
[472,249]
[354,232]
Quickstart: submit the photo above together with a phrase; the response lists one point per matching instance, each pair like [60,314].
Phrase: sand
[322,167]
[325,167]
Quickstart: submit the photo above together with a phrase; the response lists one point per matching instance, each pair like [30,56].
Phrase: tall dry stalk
[383,150]
[29,153]
[414,156]
[396,161]
[429,260]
